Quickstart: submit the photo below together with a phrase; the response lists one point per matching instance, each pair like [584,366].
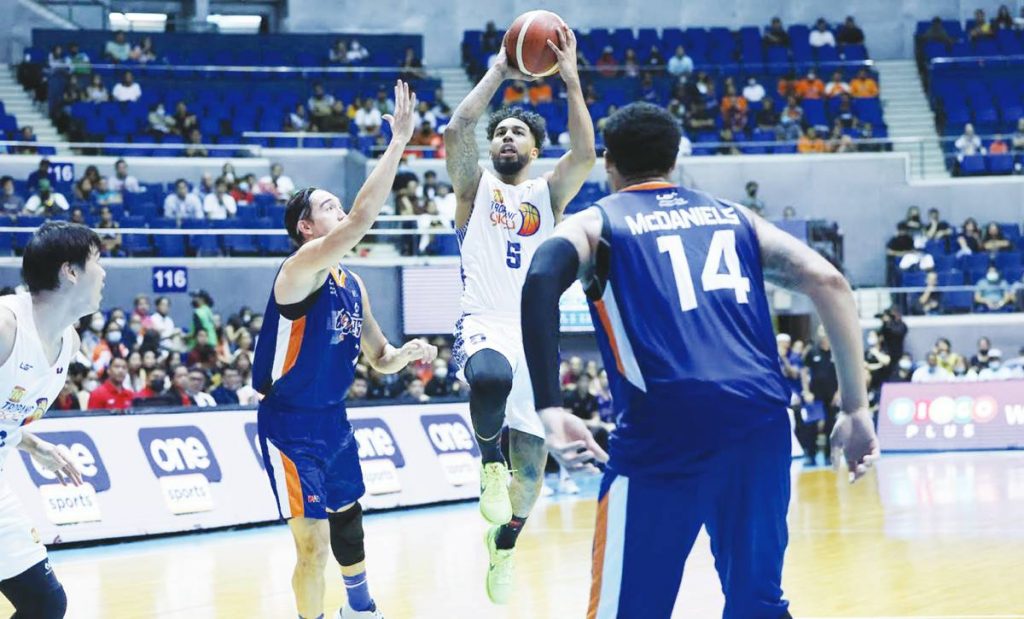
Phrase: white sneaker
[346,612]
[568,486]
[495,504]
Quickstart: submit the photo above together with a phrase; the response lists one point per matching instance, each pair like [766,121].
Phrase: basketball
[526,43]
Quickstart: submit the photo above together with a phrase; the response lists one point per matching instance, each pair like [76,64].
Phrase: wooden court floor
[924,536]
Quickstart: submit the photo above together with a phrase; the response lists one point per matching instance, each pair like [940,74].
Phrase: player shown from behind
[37,342]
[317,320]
[502,218]
[675,279]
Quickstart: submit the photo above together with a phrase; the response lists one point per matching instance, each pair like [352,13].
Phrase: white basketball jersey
[28,383]
[507,225]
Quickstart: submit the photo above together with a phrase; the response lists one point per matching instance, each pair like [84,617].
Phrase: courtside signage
[379,455]
[183,461]
[456,449]
[65,505]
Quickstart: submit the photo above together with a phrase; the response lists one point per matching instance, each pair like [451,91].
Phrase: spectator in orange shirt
[787,85]
[426,136]
[514,93]
[837,86]
[540,92]
[863,86]
[734,109]
[998,146]
[810,87]
[811,143]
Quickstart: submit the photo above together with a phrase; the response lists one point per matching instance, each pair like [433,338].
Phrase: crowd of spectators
[972,145]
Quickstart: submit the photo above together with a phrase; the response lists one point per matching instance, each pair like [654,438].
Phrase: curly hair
[642,138]
[532,120]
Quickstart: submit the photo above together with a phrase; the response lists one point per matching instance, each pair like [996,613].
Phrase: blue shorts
[646,527]
[312,459]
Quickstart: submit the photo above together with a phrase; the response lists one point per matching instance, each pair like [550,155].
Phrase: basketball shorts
[503,335]
[20,547]
[312,459]
[647,527]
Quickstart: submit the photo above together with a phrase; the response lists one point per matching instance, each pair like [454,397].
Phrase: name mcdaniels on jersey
[680,218]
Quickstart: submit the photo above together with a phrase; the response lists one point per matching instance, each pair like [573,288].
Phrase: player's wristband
[552,271]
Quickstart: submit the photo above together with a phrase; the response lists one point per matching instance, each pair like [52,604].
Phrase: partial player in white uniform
[502,218]
[37,342]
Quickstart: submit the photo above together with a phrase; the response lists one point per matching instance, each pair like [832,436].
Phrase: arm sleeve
[552,271]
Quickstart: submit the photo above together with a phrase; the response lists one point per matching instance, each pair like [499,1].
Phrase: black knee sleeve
[36,593]
[347,535]
[490,380]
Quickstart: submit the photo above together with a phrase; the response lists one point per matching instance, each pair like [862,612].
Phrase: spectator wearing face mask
[931,372]
[904,370]
[439,385]
[112,395]
[110,347]
[981,360]
[876,361]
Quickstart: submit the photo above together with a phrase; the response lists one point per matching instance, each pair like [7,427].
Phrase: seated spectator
[196,387]
[998,146]
[590,94]
[968,144]
[655,62]
[73,93]
[414,392]
[11,203]
[837,87]
[412,66]
[649,92]
[205,187]
[422,113]
[767,118]
[810,143]
[514,93]
[320,102]
[243,190]
[786,86]
[194,145]
[1017,142]
[297,120]
[969,239]
[182,204]
[896,249]
[982,28]
[385,104]
[930,301]
[993,293]
[112,395]
[675,108]
[184,121]
[751,200]
[97,92]
[80,62]
[866,143]
[863,86]
[27,134]
[775,34]
[277,183]
[734,109]
[427,137]
[850,33]
[606,64]
[810,87]
[680,64]
[821,35]
[219,205]
[57,59]
[913,222]
[127,90]
[631,66]
[117,50]
[727,145]
[122,181]
[227,392]
[947,358]
[753,91]
[45,201]
[699,120]
[339,53]
[540,92]
[983,358]
[356,52]
[935,229]
[1003,19]
[844,114]
[839,142]
[110,242]
[103,195]
[144,52]
[994,239]
[791,121]
[931,372]
[337,121]
[368,119]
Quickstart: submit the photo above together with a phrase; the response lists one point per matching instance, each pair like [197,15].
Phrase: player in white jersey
[502,218]
[37,341]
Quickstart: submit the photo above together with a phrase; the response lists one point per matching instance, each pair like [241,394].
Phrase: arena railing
[872,300]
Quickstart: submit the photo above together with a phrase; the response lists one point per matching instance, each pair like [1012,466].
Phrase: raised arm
[572,169]
[379,353]
[792,264]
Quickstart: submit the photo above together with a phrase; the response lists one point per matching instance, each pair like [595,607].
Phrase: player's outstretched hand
[565,51]
[57,460]
[419,350]
[570,442]
[507,70]
[402,120]
[854,436]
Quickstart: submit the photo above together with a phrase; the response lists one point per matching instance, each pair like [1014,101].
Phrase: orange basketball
[526,43]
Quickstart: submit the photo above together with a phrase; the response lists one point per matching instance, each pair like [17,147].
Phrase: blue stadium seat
[999,164]
[972,165]
[958,301]
[1007,259]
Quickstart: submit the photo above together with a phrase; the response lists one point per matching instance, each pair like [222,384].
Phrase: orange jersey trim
[294,344]
[602,313]
[597,571]
[291,478]
[650,185]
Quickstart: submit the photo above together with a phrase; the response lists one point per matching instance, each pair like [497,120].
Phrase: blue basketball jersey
[307,352]
[683,325]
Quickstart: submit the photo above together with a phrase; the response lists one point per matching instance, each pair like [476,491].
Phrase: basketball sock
[490,449]
[509,533]
[358,590]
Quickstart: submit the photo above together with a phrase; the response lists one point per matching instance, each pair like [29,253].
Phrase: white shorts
[20,547]
[503,335]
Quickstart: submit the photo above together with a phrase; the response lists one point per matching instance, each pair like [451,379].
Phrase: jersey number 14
[722,249]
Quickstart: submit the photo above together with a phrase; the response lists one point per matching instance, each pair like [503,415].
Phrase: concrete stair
[908,115]
[456,87]
[19,103]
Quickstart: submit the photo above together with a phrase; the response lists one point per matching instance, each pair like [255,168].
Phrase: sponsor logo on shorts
[179,450]
[83,453]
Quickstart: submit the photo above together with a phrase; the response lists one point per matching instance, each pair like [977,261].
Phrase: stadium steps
[908,114]
[456,86]
[19,104]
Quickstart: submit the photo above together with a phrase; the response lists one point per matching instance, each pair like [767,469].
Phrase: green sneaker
[495,505]
[499,569]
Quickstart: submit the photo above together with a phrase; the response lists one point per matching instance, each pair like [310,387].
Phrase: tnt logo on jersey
[13,409]
[71,504]
[346,323]
[379,455]
[183,461]
[456,450]
[525,220]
